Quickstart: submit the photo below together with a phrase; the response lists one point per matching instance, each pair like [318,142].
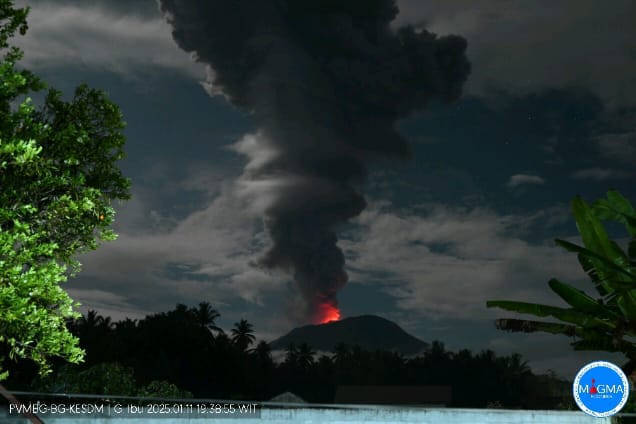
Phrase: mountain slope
[370,332]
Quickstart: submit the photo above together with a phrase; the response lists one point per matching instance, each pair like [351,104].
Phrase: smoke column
[326,82]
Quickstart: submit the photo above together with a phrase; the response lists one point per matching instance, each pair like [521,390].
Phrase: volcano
[370,332]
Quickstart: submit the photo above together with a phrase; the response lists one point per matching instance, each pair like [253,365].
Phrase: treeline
[183,353]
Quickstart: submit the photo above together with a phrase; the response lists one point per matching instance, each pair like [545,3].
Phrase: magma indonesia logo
[600,389]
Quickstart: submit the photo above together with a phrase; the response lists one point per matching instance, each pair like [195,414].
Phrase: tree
[206,316]
[57,181]
[262,352]
[291,356]
[163,389]
[607,322]
[342,353]
[242,334]
[305,358]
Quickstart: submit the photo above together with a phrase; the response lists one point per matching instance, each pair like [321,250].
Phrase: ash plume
[325,81]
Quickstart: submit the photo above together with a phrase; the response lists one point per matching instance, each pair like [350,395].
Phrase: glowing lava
[327,313]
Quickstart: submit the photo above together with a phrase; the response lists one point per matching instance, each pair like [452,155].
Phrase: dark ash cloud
[326,82]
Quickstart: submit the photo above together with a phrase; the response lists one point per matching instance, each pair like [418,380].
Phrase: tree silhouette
[94,332]
[90,320]
[342,353]
[291,356]
[262,351]
[175,349]
[305,356]
[242,335]
[126,325]
[206,316]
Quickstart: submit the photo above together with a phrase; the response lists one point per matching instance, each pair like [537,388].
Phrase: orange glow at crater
[327,313]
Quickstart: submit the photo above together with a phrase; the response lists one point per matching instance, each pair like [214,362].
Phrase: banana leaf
[529,326]
[616,208]
[608,323]
[566,315]
[604,345]
[627,304]
[601,285]
[606,342]
[594,236]
[580,301]
[622,268]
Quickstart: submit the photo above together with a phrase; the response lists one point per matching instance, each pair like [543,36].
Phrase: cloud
[437,262]
[601,174]
[446,262]
[326,82]
[520,179]
[207,255]
[106,303]
[619,147]
[80,36]
[521,47]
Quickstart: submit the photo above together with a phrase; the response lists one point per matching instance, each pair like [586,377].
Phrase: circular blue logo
[600,389]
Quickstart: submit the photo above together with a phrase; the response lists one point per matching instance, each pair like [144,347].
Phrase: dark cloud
[519,46]
[136,7]
[326,82]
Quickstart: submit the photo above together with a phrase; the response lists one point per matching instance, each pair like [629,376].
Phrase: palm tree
[609,321]
[516,365]
[94,332]
[90,320]
[242,334]
[262,351]
[325,363]
[291,355]
[222,341]
[181,313]
[305,358]
[126,325]
[93,323]
[105,323]
[342,353]
[206,316]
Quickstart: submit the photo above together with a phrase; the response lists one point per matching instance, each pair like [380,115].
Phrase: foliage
[109,378]
[242,334]
[174,347]
[57,179]
[607,321]
[106,378]
[163,389]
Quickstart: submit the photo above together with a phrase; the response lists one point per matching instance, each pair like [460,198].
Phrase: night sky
[466,213]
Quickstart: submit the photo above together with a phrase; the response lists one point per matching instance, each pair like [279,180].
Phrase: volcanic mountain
[370,332]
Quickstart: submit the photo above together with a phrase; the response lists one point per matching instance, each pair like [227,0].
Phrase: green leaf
[631,251]
[594,236]
[627,304]
[600,282]
[617,208]
[529,326]
[57,167]
[620,272]
[579,300]
[567,315]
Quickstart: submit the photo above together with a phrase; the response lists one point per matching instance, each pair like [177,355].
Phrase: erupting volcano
[367,331]
[326,313]
[326,82]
